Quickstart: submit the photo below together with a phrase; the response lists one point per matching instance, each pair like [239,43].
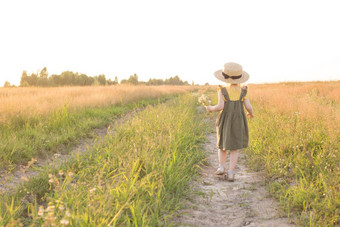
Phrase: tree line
[170,81]
[69,78]
[66,78]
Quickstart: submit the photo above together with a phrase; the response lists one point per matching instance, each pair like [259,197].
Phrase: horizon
[204,84]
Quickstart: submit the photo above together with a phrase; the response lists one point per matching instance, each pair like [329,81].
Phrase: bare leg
[233,160]
[222,154]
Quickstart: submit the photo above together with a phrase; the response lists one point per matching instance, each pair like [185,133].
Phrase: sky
[274,41]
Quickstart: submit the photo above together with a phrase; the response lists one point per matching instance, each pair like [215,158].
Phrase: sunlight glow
[273,40]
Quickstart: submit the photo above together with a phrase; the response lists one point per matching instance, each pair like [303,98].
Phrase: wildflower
[64,222]
[61,172]
[50,208]
[67,213]
[41,211]
[61,207]
[205,100]
[70,174]
[93,189]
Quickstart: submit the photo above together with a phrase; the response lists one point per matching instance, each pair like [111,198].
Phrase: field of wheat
[35,122]
[136,178]
[33,101]
[315,101]
[139,175]
[295,138]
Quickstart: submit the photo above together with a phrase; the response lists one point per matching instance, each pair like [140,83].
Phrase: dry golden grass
[295,140]
[28,102]
[316,101]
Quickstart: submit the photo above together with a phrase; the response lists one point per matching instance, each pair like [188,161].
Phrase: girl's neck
[232,85]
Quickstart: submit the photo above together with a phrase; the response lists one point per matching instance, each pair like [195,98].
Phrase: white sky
[290,40]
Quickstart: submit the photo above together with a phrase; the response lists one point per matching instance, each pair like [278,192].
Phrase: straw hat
[232,73]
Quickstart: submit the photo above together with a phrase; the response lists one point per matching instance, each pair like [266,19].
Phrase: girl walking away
[231,123]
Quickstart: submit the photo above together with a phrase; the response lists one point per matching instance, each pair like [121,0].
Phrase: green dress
[231,124]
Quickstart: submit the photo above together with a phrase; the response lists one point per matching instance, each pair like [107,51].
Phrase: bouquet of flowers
[204,100]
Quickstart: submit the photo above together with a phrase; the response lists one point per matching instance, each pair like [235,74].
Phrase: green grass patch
[136,178]
[24,139]
[301,160]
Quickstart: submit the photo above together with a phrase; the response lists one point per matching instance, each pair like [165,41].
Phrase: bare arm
[220,104]
[248,107]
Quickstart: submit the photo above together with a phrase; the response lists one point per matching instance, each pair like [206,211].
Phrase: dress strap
[244,92]
[225,93]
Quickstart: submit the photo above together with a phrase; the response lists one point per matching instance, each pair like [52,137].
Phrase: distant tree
[206,84]
[44,73]
[55,80]
[95,82]
[82,79]
[24,79]
[112,82]
[7,84]
[90,81]
[123,81]
[68,78]
[155,82]
[102,79]
[133,79]
[24,84]
[33,79]
[42,82]
[109,81]
[174,81]
[170,81]
[77,80]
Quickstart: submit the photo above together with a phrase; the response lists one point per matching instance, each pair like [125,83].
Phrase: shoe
[219,172]
[231,176]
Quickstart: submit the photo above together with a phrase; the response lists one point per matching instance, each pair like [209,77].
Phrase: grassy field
[295,138]
[20,104]
[139,174]
[37,121]
[135,178]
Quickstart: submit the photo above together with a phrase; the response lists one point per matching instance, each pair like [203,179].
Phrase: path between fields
[9,181]
[244,202]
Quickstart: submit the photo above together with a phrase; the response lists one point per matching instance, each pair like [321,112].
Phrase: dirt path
[244,202]
[9,181]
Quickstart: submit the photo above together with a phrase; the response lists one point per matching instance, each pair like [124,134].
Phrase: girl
[231,123]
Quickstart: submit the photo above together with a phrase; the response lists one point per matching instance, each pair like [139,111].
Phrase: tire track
[10,181]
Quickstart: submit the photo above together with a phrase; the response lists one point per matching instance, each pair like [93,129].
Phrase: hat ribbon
[232,77]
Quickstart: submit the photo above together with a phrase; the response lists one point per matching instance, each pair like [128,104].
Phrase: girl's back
[231,124]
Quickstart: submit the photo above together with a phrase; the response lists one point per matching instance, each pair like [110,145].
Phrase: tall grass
[295,138]
[24,103]
[36,121]
[41,136]
[317,101]
[135,179]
